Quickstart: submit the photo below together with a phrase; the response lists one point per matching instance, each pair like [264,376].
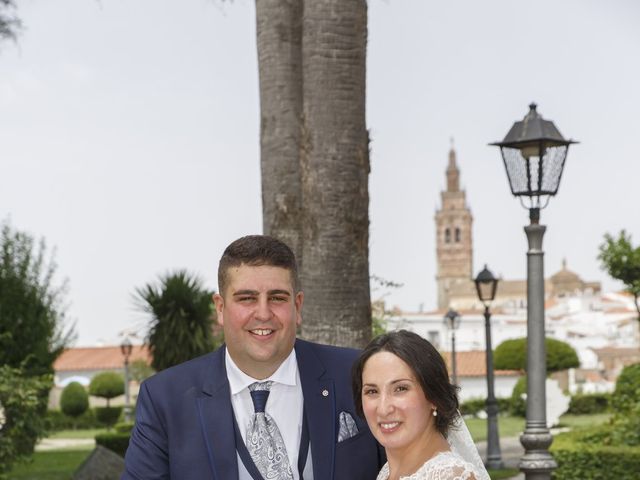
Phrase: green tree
[21,420]
[107,385]
[182,315]
[32,309]
[140,370]
[621,260]
[74,400]
[512,355]
[9,23]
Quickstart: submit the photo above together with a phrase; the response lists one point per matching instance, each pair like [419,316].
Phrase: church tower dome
[453,235]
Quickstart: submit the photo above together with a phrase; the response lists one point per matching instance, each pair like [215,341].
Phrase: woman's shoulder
[447,466]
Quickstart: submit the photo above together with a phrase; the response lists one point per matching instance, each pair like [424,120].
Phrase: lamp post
[126,349]
[452,321]
[486,286]
[534,153]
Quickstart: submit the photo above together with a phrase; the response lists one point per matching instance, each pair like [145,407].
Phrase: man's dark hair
[256,251]
[427,366]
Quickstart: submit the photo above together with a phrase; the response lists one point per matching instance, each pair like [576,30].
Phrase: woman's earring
[435,412]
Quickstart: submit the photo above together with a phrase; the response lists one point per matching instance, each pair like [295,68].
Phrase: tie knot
[259,394]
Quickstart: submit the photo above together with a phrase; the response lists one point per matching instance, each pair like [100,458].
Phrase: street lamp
[534,153]
[486,285]
[452,321]
[126,348]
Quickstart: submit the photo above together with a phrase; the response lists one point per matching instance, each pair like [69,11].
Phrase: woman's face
[397,411]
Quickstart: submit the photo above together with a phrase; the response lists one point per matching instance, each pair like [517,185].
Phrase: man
[207,419]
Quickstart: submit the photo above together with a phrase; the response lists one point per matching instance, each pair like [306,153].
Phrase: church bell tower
[453,236]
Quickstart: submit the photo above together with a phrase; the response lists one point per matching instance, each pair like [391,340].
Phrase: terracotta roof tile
[98,358]
[473,364]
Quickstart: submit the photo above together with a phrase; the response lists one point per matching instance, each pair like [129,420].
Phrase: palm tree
[315,156]
[182,316]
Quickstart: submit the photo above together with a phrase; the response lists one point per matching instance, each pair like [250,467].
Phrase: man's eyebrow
[279,292]
[245,292]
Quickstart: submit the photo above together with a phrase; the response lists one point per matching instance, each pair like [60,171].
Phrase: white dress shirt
[285,405]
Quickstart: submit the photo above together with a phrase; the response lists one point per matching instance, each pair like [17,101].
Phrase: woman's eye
[369,391]
[402,388]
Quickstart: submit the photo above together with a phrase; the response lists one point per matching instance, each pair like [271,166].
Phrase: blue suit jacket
[184,421]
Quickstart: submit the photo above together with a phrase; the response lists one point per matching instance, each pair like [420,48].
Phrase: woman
[401,386]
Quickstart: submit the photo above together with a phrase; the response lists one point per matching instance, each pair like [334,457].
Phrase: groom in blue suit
[193,420]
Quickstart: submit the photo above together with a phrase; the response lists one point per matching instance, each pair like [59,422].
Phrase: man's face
[259,312]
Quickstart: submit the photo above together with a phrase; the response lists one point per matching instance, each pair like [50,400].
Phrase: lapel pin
[325,393]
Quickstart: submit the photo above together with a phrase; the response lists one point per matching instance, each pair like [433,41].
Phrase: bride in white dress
[401,386]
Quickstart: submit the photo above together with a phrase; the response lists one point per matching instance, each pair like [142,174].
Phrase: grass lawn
[77,433]
[513,426]
[54,465]
[505,473]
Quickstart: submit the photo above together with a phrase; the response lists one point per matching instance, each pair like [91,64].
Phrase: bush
[21,419]
[124,427]
[582,458]
[74,400]
[107,385]
[116,442]
[473,406]
[56,420]
[627,392]
[512,355]
[587,404]
[518,405]
[108,416]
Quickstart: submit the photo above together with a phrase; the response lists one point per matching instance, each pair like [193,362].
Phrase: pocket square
[348,427]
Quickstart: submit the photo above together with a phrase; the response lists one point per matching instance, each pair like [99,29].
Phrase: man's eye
[245,299]
[278,299]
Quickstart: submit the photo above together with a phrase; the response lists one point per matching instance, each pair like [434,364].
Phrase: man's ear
[299,300]
[219,302]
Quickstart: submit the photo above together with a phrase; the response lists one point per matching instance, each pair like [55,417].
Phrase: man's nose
[263,311]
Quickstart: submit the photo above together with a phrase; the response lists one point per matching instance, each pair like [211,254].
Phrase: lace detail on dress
[444,466]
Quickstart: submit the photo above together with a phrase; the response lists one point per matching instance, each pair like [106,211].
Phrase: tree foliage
[32,312]
[107,385]
[10,24]
[621,260]
[22,421]
[512,355]
[182,315]
[74,400]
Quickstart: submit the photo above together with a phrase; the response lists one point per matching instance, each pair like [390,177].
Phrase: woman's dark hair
[427,365]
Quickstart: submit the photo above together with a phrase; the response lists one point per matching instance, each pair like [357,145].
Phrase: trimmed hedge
[578,460]
[474,406]
[587,404]
[116,442]
[56,420]
[108,416]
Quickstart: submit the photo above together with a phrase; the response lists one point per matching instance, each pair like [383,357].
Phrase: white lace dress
[443,466]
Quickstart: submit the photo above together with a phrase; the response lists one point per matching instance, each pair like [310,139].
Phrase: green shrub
[585,404]
[56,420]
[74,400]
[108,416]
[512,355]
[124,427]
[578,459]
[116,442]
[21,419]
[472,406]
[107,385]
[627,392]
[518,405]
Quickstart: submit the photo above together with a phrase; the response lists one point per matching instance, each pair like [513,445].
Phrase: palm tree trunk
[335,170]
[279,36]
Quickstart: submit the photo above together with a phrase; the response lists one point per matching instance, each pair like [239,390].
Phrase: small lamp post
[534,153]
[126,348]
[452,321]
[486,286]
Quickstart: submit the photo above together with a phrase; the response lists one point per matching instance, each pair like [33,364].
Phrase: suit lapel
[216,419]
[319,406]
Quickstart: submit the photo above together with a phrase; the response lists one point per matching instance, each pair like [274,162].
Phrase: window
[447,236]
[434,338]
[457,234]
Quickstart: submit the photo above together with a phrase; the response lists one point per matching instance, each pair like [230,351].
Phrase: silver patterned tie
[264,440]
